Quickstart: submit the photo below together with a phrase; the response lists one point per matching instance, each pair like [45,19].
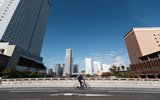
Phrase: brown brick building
[143,46]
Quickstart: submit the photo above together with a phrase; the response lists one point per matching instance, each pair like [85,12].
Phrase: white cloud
[121,60]
[111,57]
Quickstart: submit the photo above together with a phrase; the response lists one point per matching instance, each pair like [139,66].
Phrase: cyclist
[80,80]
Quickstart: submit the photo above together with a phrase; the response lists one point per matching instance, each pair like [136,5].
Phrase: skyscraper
[68,69]
[89,66]
[22,28]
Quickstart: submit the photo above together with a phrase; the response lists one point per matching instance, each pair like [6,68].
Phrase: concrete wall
[69,82]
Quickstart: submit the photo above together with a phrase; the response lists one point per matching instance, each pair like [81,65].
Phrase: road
[71,94]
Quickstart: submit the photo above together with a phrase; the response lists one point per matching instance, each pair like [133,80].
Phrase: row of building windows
[157,38]
[20,27]
[5,11]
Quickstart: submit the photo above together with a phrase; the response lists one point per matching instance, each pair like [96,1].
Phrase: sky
[95,28]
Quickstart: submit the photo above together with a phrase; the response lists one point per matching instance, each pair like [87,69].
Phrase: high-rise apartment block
[97,67]
[68,69]
[88,66]
[59,69]
[22,28]
[50,72]
[143,46]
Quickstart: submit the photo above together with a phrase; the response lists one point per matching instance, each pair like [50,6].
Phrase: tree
[119,71]
[112,70]
[123,67]
[128,69]
[1,69]
[13,73]
[88,75]
[9,73]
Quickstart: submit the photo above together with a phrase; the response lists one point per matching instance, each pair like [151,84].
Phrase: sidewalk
[72,85]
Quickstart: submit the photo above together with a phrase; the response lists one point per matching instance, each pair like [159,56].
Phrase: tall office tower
[97,67]
[88,66]
[76,69]
[68,69]
[22,28]
[143,46]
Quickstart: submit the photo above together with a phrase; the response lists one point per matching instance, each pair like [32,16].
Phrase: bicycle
[85,86]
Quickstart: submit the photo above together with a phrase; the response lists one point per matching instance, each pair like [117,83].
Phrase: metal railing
[89,79]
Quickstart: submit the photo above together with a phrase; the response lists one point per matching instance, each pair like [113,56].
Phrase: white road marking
[98,95]
[25,99]
[53,94]
[76,94]
[31,91]
[68,94]
[151,92]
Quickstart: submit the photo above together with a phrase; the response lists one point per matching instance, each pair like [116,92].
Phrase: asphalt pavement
[72,94]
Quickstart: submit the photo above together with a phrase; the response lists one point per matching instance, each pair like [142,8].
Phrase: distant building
[76,69]
[50,72]
[105,68]
[97,67]
[59,69]
[22,29]
[143,46]
[68,69]
[88,66]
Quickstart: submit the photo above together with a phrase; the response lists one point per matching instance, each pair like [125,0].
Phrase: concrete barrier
[69,82]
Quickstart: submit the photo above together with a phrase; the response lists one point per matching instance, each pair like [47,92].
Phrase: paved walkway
[72,85]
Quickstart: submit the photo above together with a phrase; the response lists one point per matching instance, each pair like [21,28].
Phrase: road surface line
[98,95]
[25,99]
[76,94]
[135,92]
[31,91]
[54,94]
[67,94]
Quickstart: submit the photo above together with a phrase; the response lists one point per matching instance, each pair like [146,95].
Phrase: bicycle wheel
[86,86]
[76,86]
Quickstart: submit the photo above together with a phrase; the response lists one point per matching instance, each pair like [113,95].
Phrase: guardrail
[116,79]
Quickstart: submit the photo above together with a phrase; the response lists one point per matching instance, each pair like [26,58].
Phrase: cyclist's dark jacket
[80,78]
